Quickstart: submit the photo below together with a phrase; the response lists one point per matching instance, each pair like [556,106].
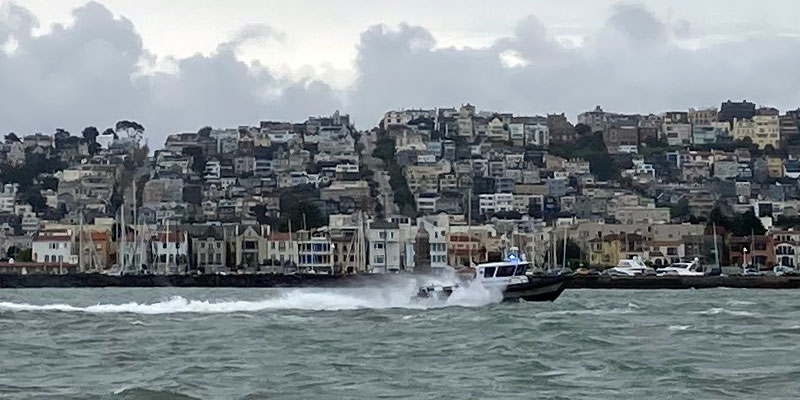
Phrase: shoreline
[9,281]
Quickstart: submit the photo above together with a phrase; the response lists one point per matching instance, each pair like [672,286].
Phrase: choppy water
[370,343]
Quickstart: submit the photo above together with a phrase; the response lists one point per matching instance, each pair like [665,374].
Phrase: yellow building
[763,130]
[768,131]
[608,250]
[775,167]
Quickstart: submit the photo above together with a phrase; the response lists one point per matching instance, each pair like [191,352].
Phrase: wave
[717,311]
[679,327]
[312,300]
[739,303]
[140,393]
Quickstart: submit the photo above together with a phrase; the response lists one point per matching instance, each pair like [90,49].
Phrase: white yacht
[682,269]
[630,267]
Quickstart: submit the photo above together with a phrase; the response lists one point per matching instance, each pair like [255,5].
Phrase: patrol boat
[508,275]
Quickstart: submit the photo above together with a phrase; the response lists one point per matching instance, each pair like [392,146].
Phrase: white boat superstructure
[683,269]
[502,273]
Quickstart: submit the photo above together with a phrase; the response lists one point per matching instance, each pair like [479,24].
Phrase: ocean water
[170,343]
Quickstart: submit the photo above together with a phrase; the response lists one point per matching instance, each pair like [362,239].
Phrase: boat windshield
[506,271]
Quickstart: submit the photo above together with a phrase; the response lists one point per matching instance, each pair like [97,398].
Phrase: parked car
[752,271]
[783,270]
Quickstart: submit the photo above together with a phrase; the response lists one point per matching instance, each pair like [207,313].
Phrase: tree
[25,256]
[260,212]
[132,128]
[198,158]
[12,138]
[385,150]
[90,133]
[204,132]
[33,196]
[12,252]
[574,254]
[747,224]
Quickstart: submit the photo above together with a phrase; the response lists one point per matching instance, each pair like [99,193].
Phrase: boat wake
[300,299]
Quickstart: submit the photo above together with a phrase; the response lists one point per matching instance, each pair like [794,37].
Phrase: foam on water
[301,299]
[719,310]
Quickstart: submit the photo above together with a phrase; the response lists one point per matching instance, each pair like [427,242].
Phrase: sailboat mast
[564,250]
[122,235]
[80,243]
[716,249]
[469,224]
[135,223]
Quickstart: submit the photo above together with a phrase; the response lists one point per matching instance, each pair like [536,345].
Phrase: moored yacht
[509,276]
[630,267]
[683,269]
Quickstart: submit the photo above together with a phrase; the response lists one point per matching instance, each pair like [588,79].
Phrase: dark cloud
[89,73]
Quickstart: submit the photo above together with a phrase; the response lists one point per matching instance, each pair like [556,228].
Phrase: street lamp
[744,257]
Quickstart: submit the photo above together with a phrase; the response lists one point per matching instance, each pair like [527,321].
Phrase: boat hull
[538,289]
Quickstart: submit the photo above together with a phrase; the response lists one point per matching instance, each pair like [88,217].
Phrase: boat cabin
[507,272]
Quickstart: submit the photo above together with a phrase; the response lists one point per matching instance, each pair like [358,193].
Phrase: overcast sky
[182,64]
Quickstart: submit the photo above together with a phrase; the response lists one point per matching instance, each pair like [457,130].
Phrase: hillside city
[423,190]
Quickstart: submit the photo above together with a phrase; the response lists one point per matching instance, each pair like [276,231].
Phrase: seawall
[264,281]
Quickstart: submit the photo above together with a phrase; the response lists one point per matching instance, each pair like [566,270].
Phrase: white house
[170,252]
[496,202]
[54,246]
[384,247]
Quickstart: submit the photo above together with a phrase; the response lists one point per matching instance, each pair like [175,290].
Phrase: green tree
[24,256]
[33,196]
[747,224]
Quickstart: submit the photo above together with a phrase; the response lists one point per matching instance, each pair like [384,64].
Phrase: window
[379,245]
[382,235]
[249,244]
[520,270]
[219,245]
[202,258]
[218,258]
[488,272]
[506,271]
[379,259]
